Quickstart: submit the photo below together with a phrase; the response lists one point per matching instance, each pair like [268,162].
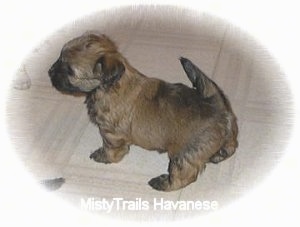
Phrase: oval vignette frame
[152,39]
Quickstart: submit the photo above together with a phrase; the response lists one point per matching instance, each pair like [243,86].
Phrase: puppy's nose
[51,71]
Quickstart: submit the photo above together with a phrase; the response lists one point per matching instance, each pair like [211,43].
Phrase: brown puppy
[194,125]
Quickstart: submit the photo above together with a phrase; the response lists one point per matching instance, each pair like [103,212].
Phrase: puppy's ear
[109,69]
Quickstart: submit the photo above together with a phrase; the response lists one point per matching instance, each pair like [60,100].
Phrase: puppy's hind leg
[220,156]
[229,147]
[182,172]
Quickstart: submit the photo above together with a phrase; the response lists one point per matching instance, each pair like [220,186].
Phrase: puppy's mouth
[59,79]
[62,84]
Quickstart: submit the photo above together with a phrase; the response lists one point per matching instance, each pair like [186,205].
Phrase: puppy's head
[86,63]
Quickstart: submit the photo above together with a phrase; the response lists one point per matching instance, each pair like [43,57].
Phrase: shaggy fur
[194,125]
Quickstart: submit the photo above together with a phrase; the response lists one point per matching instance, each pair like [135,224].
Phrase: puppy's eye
[88,45]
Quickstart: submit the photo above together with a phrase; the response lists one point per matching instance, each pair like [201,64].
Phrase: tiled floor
[53,136]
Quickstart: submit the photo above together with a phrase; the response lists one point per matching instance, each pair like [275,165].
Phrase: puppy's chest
[107,113]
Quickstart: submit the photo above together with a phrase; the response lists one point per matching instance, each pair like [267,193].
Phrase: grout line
[179,197]
[219,54]
[176,211]
[132,37]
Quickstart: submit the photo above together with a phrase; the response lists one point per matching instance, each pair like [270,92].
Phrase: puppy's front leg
[109,155]
[113,150]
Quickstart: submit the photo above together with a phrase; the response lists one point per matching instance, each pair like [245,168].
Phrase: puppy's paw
[100,156]
[161,183]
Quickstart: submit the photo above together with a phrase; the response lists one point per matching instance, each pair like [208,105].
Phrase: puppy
[193,125]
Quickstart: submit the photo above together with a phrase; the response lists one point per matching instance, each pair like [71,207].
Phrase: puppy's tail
[207,88]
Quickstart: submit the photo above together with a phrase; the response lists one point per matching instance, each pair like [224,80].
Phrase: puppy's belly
[159,137]
[150,141]
[173,137]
